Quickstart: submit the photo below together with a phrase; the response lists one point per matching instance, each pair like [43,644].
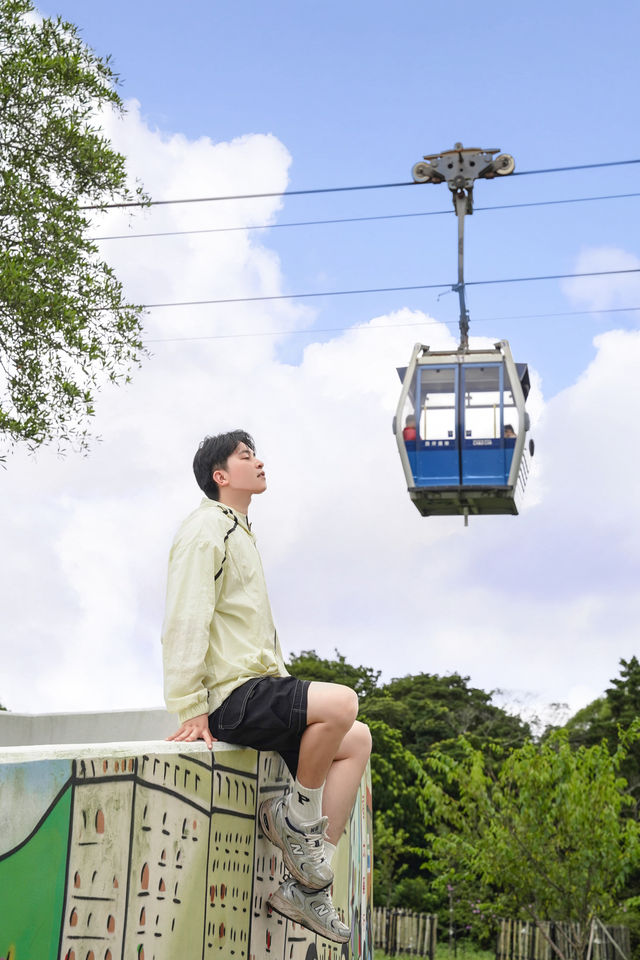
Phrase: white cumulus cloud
[605,292]
[545,602]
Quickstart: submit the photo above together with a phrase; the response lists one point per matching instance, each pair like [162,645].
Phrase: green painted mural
[153,854]
[33,914]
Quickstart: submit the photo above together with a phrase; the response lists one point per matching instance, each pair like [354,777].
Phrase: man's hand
[195,729]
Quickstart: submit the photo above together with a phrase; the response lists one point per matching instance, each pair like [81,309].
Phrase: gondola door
[483,454]
[437,454]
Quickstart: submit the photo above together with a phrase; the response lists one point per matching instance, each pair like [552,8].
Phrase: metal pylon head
[460,167]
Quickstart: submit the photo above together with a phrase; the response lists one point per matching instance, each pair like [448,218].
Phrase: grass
[464,951]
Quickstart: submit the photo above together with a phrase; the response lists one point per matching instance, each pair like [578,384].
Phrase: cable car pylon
[460,168]
[461,422]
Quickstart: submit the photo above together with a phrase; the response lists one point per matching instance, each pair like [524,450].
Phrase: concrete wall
[151,851]
[25,729]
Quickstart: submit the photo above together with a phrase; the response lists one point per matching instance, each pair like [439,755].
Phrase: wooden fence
[528,941]
[403,932]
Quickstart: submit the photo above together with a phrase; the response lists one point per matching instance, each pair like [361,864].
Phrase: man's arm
[192,591]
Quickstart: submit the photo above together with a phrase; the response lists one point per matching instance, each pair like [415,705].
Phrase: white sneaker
[313,909]
[302,847]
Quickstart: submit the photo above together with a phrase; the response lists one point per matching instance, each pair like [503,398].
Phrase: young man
[226,679]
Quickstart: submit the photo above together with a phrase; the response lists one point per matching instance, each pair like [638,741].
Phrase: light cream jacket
[218,629]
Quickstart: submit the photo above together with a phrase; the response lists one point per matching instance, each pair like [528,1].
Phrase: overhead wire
[317,190]
[385,326]
[417,286]
[579,166]
[386,216]
[371,290]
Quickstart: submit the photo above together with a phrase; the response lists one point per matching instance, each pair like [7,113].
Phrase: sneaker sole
[291,912]
[268,828]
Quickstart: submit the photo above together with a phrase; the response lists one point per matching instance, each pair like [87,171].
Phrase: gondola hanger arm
[460,168]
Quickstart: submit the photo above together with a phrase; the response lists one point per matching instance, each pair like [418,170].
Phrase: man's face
[244,471]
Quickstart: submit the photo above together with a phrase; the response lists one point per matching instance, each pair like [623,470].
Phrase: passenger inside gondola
[409,432]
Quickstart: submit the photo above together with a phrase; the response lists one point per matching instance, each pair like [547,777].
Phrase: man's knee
[332,703]
[356,744]
[345,705]
[362,737]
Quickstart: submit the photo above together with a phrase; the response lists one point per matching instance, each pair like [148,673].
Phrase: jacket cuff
[195,710]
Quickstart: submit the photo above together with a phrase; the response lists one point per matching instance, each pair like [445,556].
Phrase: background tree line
[477,818]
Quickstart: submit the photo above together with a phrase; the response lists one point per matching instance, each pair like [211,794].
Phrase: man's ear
[220,477]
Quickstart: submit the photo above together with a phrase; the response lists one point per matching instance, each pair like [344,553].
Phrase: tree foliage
[390,845]
[474,820]
[624,695]
[604,718]
[428,709]
[307,665]
[65,325]
[544,839]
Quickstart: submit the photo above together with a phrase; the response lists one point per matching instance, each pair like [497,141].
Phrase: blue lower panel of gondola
[434,466]
[508,455]
[485,463]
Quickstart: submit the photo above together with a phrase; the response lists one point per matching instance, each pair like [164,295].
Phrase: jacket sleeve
[193,587]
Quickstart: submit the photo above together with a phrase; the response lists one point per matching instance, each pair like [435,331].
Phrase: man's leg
[332,738]
[343,779]
[334,751]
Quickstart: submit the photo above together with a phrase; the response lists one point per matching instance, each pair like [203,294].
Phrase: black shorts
[266,713]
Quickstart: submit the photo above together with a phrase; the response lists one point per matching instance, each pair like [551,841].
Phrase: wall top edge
[133,748]
[14,715]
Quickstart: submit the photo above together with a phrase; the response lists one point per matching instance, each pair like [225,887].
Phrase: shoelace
[315,846]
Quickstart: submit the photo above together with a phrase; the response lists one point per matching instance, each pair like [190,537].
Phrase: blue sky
[227,98]
[358,92]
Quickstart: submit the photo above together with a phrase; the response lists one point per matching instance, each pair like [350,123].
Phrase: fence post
[402,932]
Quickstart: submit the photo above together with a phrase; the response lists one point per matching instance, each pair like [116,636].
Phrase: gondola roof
[444,386]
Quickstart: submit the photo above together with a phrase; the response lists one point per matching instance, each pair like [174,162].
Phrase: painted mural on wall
[158,856]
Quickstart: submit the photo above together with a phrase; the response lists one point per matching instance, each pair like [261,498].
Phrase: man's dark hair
[212,454]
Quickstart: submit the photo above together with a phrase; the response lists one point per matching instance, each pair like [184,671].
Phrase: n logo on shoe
[321,910]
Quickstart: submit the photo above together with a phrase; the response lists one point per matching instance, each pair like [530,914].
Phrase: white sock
[305,804]
[329,851]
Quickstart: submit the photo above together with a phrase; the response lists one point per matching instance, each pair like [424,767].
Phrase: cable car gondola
[460,427]
[461,422]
